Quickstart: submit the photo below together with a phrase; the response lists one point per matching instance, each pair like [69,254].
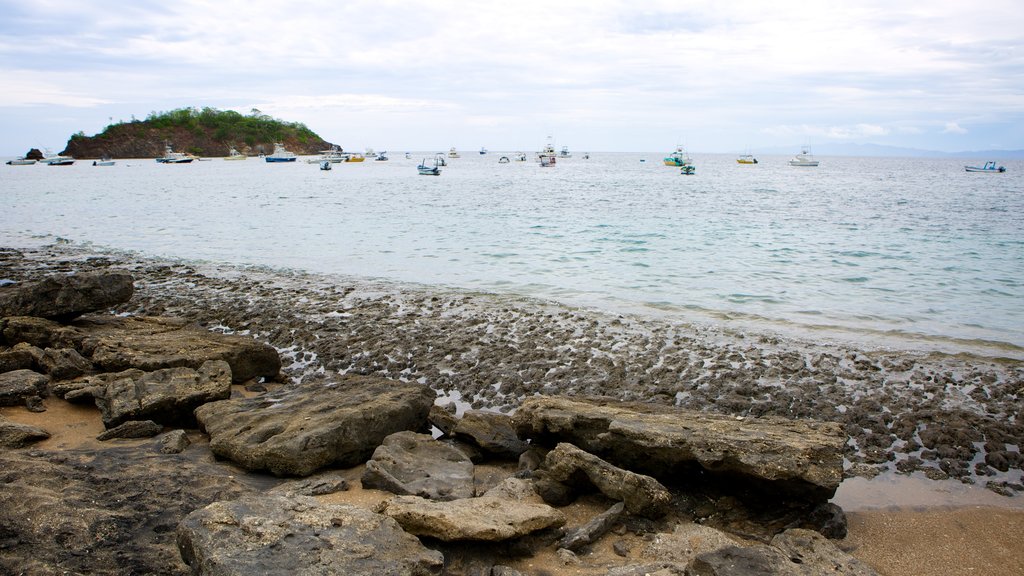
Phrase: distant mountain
[203,132]
[871,150]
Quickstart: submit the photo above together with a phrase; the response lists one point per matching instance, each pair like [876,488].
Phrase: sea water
[896,251]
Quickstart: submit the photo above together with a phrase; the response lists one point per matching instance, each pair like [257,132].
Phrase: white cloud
[953,128]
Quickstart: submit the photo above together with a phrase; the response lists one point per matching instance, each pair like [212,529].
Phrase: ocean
[893,252]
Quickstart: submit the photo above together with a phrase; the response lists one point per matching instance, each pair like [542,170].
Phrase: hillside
[203,132]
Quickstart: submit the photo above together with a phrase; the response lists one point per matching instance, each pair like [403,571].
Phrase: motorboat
[452,153]
[586,155]
[57,160]
[804,158]
[549,149]
[746,159]
[172,157]
[280,154]
[357,157]
[483,151]
[426,170]
[235,155]
[678,158]
[325,164]
[520,156]
[565,153]
[382,157]
[547,160]
[334,155]
[687,169]
[103,161]
[503,160]
[408,155]
[439,159]
[21,162]
[988,167]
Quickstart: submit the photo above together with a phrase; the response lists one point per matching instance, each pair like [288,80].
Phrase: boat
[21,162]
[439,159]
[425,170]
[503,160]
[172,157]
[804,158]
[547,161]
[483,151]
[56,160]
[325,164]
[687,169]
[103,161]
[370,153]
[549,149]
[746,159]
[382,157]
[280,154]
[408,155]
[357,157]
[520,156]
[988,167]
[677,158]
[235,155]
[452,153]
[334,155]
[564,153]
[586,155]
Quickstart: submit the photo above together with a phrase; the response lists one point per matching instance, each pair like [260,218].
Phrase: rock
[587,534]
[756,560]
[64,363]
[65,297]
[38,332]
[14,435]
[275,534]
[327,483]
[22,356]
[642,495]
[296,431]
[18,385]
[816,554]
[801,459]
[686,541]
[132,429]
[147,343]
[411,463]
[443,419]
[174,442]
[492,432]
[167,396]
[487,518]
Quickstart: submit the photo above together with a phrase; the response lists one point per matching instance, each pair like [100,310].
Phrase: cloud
[953,128]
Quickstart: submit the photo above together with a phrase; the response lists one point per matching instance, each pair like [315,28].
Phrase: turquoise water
[905,252]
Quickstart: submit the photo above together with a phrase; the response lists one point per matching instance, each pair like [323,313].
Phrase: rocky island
[201,132]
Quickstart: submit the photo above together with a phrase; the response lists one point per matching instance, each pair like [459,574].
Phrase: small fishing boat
[357,157]
[503,160]
[408,155]
[804,158]
[381,157]
[325,164]
[565,153]
[235,155]
[452,153]
[546,160]
[677,158]
[549,149]
[746,159]
[483,151]
[586,155]
[988,167]
[281,154]
[172,157]
[103,161]
[21,162]
[51,159]
[425,170]
[520,156]
[687,169]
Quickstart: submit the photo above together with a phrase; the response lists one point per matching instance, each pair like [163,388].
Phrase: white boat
[746,159]
[235,155]
[21,162]
[988,167]
[483,151]
[334,155]
[564,153]
[57,160]
[325,165]
[677,158]
[281,154]
[381,157]
[520,156]
[549,149]
[426,170]
[452,153]
[172,157]
[103,161]
[804,158]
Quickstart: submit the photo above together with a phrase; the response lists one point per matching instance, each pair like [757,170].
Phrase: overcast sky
[634,75]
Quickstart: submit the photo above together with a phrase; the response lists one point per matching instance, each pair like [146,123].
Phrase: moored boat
[453,153]
[235,155]
[565,153]
[483,151]
[546,160]
[425,170]
[357,157]
[677,158]
[21,162]
[172,157]
[56,160]
[804,158]
[746,159]
[280,154]
[103,161]
[988,167]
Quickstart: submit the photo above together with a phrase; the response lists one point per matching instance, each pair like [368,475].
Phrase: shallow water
[912,253]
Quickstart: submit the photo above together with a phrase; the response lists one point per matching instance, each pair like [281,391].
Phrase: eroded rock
[487,518]
[412,463]
[167,396]
[66,296]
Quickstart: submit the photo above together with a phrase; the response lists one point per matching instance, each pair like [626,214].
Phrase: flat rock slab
[408,463]
[487,518]
[167,396]
[298,430]
[278,534]
[18,385]
[797,457]
[63,297]
[14,435]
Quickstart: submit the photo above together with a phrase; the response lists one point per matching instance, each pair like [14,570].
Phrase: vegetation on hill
[201,131]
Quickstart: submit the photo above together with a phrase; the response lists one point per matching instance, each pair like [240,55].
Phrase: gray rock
[318,485]
[296,431]
[277,534]
[38,332]
[64,363]
[756,560]
[684,543]
[18,385]
[642,495]
[443,419]
[799,458]
[167,396]
[14,435]
[21,356]
[65,297]
[589,533]
[132,429]
[174,442]
[816,554]
[492,432]
[411,463]
[487,518]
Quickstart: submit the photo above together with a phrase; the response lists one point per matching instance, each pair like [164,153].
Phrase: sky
[714,76]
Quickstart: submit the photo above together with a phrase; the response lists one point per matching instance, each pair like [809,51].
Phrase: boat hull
[274,160]
[999,170]
[21,162]
[804,163]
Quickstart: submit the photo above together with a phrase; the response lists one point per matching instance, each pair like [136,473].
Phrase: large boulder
[65,297]
[167,396]
[492,432]
[641,494]
[285,534]
[18,385]
[798,458]
[409,463]
[793,553]
[297,430]
[14,435]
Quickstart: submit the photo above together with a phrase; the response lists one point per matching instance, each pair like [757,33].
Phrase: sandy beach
[948,512]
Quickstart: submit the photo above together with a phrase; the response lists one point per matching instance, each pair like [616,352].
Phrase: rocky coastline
[239,406]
